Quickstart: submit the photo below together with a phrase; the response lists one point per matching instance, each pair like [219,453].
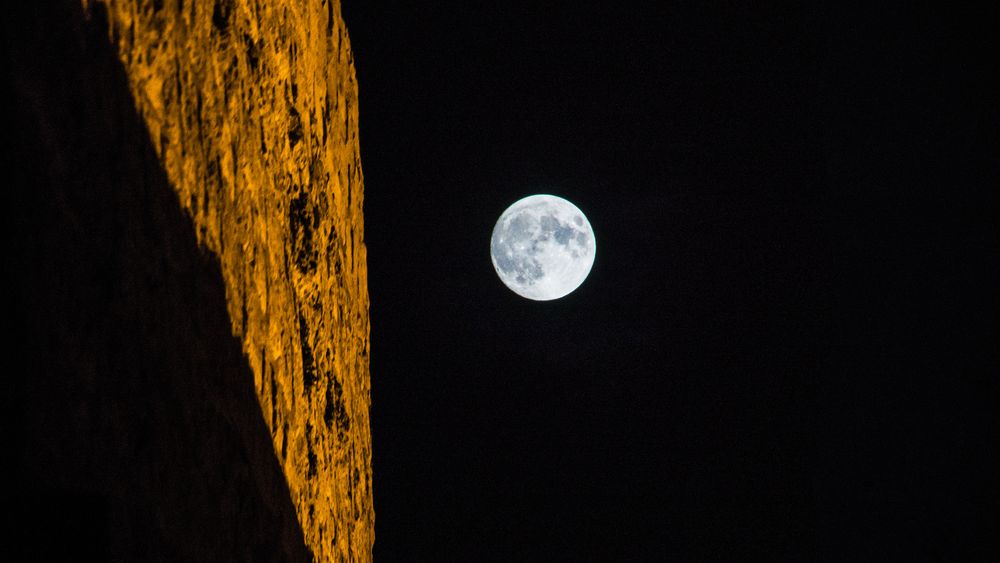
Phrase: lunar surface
[543,247]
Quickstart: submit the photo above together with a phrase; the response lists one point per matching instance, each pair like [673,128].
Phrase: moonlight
[543,247]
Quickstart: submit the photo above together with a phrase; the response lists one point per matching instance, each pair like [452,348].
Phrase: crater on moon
[543,247]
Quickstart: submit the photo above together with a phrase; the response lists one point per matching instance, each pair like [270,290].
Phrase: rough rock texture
[131,427]
[252,108]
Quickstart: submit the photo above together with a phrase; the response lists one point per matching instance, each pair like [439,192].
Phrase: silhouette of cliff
[252,107]
[151,324]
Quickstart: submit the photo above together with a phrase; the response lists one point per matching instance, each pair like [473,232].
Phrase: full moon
[543,247]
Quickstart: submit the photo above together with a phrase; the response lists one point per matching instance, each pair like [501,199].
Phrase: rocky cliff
[252,107]
[246,120]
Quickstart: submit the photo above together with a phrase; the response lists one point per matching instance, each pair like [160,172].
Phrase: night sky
[782,351]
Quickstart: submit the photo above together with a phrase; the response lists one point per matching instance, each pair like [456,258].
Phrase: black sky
[781,352]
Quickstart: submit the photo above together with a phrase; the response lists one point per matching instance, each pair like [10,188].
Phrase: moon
[543,247]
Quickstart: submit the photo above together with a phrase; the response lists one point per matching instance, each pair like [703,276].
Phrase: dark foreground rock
[132,428]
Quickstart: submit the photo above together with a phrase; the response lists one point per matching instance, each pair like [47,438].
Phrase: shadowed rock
[252,109]
[130,411]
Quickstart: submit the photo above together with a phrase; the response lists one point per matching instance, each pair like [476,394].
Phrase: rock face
[252,108]
[186,284]
[132,430]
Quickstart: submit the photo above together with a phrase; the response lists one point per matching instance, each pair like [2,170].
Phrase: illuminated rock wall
[252,107]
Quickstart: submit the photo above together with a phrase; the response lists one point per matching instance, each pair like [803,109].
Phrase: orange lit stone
[252,106]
